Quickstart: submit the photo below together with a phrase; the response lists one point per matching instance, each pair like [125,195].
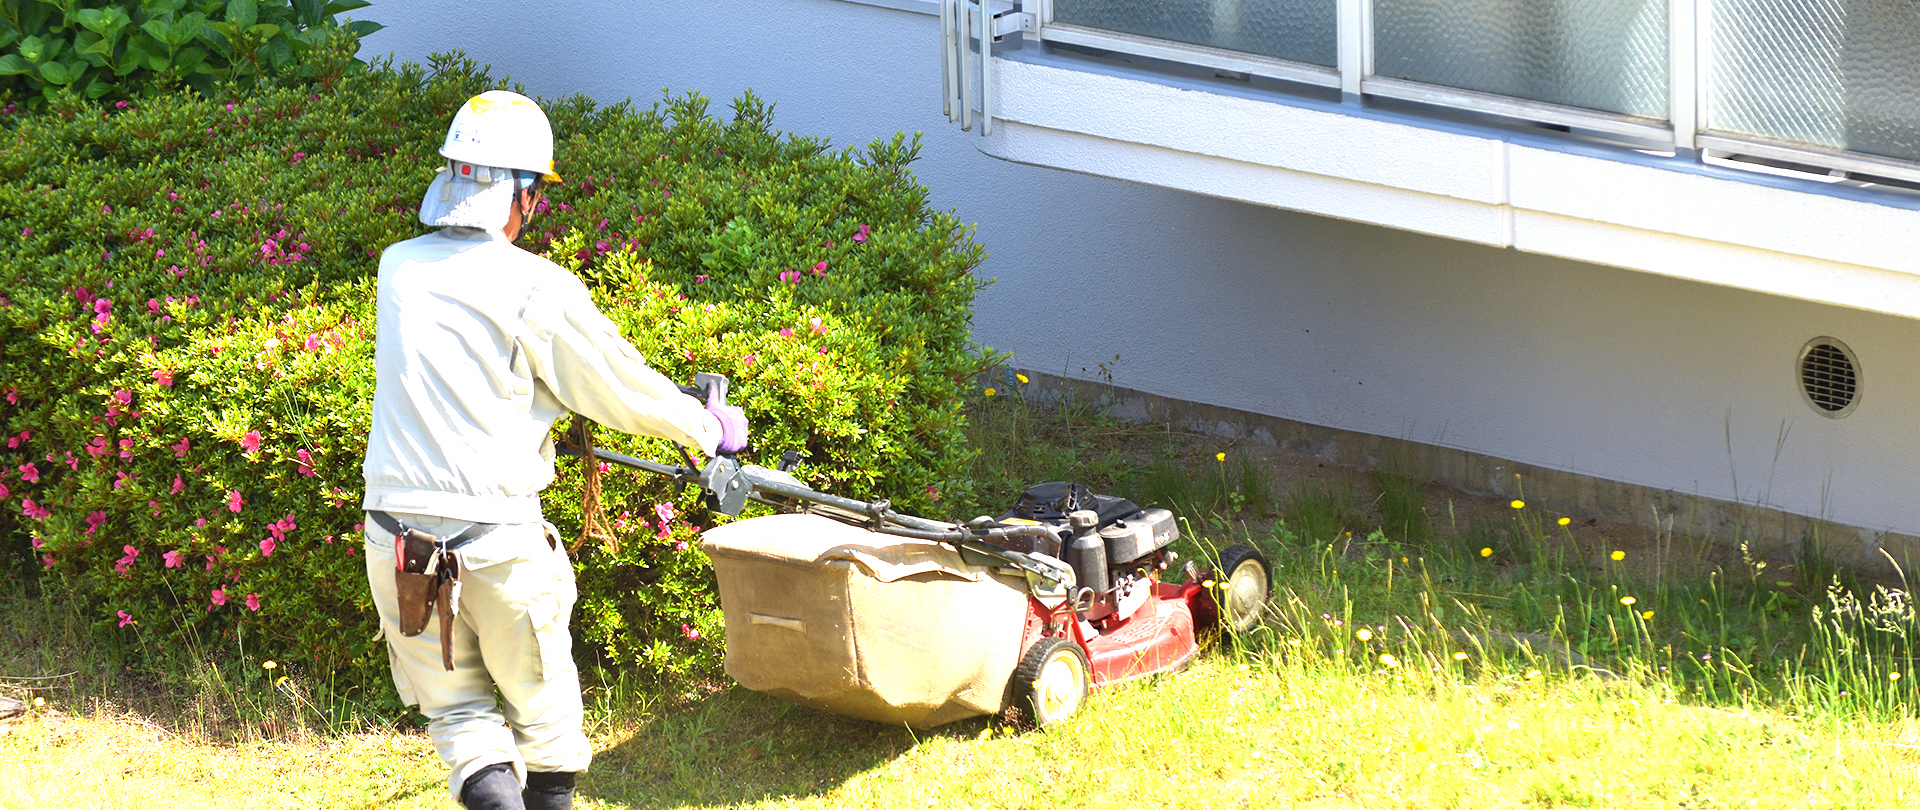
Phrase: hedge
[186,343]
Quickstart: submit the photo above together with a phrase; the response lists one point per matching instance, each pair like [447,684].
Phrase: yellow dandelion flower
[273,343]
[1460,656]
[1618,555]
[1647,616]
[1564,521]
[1389,661]
[1532,673]
[1518,504]
[1628,601]
[282,681]
[1219,456]
[1486,552]
[1207,584]
[268,665]
[1364,634]
[1893,676]
[990,392]
[1021,377]
[39,702]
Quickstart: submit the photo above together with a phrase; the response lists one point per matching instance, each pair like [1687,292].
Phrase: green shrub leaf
[242,14]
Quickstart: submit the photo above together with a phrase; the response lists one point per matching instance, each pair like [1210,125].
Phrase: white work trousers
[510,632]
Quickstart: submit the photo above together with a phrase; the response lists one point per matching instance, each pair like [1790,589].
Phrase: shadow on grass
[739,746]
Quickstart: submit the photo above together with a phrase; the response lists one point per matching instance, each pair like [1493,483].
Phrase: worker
[480,347]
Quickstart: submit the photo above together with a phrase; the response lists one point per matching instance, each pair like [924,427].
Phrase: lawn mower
[852,607]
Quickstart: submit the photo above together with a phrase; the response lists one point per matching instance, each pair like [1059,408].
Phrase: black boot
[492,788]
[549,790]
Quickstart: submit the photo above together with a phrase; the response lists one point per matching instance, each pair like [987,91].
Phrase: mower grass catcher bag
[867,625]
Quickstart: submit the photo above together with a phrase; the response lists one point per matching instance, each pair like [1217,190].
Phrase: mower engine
[1116,549]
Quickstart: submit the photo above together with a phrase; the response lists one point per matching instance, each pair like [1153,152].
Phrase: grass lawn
[1213,736]
[1425,649]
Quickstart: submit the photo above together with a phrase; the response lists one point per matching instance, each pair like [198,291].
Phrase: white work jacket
[480,347]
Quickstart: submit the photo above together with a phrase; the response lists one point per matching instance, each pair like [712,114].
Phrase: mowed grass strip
[1275,734]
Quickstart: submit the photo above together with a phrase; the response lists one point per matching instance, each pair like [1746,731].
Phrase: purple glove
[733,423]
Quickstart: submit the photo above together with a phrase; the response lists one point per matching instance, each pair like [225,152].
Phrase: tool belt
[426,576]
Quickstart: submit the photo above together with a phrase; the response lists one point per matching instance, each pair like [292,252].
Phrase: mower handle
[729,486]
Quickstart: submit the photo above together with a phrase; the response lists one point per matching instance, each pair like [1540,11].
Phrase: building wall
[1612,373]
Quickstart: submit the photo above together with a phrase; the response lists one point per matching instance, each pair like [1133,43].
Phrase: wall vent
[1829,377]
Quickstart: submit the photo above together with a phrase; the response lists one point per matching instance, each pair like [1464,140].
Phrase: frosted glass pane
[1608,55]
[1295,30]
[1840,74]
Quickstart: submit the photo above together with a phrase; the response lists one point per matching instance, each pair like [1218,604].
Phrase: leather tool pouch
[417,582]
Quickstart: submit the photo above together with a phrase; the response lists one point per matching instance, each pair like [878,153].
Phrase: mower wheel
[1052,681]
[1244,581]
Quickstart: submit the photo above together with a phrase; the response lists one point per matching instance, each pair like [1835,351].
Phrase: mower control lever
[702,383]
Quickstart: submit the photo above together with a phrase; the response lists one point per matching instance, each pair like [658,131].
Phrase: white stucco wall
[1615,373]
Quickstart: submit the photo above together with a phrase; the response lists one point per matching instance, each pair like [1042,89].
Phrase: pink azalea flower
[267,546]
[29,473]
[173,558]
[126,449]
[689,632]
[862,235]
[818,327]
[4,492]
[219,595]
[253,602]
[95,520]
[179,486]
[234,501]
[250,442]
[680,546]
[306,461]
[125,618]
[181,447]
[786,333]
[121,479]
[34,510]
[665,512]
[123,397]
[163,377]
[820,269]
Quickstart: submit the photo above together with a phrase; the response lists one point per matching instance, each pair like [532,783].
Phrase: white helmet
[504,129]
[494,136]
